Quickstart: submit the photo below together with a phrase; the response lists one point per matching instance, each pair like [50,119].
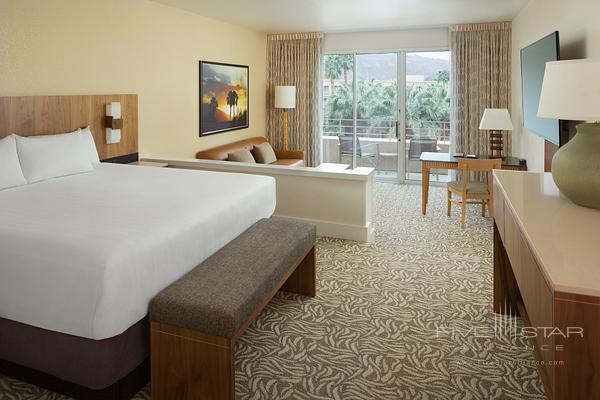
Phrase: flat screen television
[533,65]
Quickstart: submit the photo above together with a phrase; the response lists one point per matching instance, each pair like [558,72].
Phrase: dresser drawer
[538,299]
[512,243]
[535,294]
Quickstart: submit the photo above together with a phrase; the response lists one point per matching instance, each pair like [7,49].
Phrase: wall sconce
[113,122]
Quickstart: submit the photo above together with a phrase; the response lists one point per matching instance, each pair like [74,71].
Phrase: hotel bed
[82,255]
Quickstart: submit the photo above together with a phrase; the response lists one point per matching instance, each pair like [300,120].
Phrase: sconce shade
[113,122]
[114,110]
[285,96]
[496,119]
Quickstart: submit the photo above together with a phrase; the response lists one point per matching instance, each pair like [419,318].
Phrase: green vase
[576,166]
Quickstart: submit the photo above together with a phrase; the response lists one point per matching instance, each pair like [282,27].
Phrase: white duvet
[84,254]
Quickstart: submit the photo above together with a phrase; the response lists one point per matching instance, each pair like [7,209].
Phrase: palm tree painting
[223,97]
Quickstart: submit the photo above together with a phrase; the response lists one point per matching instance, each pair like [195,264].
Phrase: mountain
[384,67]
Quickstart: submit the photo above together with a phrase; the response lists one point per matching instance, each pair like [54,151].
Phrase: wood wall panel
[43,115]
[550,150]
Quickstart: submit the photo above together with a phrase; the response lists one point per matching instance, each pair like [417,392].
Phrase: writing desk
[431,160]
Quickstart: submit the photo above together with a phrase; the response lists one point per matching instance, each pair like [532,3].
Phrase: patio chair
[368,152]
[418,145]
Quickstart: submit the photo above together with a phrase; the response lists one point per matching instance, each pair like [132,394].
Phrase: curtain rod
[295,36]
[486,26]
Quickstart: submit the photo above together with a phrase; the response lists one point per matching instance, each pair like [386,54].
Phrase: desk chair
[479,192]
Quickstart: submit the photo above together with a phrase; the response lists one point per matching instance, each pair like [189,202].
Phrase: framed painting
[223,97]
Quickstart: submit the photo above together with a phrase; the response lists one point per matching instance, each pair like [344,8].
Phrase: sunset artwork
[223,97]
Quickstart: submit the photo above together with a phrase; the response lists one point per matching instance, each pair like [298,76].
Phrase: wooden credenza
[547,267]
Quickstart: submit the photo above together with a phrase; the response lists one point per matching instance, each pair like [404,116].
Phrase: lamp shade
[571,91]
[285,96]
[496,119]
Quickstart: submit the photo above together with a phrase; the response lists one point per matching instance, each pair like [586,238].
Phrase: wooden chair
[479,192]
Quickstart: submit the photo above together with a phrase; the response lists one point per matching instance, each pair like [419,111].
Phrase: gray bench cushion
[219,295]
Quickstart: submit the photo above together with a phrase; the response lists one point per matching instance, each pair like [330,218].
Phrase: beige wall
[129,46]
[577,23]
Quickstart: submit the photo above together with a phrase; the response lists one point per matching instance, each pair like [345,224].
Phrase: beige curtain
[295,59]
[481,65]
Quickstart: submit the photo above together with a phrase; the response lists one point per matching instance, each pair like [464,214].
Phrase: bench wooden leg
[188,365]
[303,279]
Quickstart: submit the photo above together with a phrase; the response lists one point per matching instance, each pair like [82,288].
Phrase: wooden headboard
[43,115]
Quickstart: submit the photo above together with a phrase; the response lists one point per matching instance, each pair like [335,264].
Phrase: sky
[218,80]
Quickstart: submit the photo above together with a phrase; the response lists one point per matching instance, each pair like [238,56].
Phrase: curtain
[481,69]
[295,59]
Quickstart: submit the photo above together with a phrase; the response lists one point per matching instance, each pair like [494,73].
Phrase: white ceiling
[349,15]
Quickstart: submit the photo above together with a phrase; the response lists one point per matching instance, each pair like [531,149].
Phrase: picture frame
[224,97]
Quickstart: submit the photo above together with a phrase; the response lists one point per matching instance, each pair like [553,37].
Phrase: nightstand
[150,164]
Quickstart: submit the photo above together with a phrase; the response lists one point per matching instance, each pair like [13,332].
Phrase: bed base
[123,389]
[107,369]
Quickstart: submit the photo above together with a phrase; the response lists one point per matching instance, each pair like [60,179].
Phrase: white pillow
[90,145]
[51,156]
[11,174]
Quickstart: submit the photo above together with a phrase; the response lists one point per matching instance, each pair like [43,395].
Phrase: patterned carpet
[392,320]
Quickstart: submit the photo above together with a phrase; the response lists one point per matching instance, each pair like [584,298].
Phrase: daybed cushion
[241,156]
[219,295]
[263,153]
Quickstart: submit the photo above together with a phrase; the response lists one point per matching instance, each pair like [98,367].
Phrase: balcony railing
[387,128]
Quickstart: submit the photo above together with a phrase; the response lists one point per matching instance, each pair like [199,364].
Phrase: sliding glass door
[360,114]
[427,109]
[338,108]
[377,112]
[381,110]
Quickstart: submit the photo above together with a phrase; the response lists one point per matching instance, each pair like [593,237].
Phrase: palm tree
[332,70]
[235,99]
[427,107]
[231,101]
[214,104]
[443,76]
[347,63]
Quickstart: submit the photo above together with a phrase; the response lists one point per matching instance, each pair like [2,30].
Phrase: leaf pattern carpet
[392,319]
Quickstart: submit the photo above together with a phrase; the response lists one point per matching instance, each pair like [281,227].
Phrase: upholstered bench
[196,321]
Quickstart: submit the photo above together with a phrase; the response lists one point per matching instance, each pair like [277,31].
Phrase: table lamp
[496,120]
[571,91]
[285,98]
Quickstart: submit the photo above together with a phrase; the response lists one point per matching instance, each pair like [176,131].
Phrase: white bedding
[84,254]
